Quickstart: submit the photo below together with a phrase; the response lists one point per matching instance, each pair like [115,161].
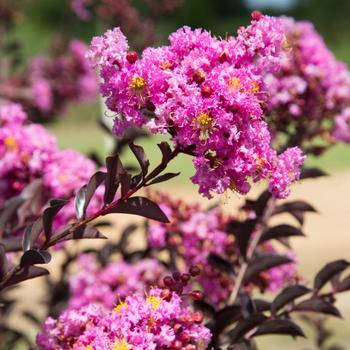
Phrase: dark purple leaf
[288,295]
[312,173]
[31,233]
[318,305]
[328,272]
[49,214]
[220,263]
[242,232]
[260,204]
[3,262]
[11,244]
[261,305]
[247,304]
[298,206]
[162,178]
[140,206]
[125,183]
[80,202]
[141,158]
[130,229]
[343,285]
[83,232]
[33,257]
[114,169]
[244,326]
[9,210]
[227,316]
[204,307]
[94,182]
[280,327]
[26,273]
[166,151]
[280,231]
[263,263]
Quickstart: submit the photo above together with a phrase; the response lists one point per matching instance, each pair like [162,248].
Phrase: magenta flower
[207,93]
[158,320]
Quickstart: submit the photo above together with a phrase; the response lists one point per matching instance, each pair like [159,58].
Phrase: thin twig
[260,227]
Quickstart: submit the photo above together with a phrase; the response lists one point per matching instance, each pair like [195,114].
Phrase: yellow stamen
[234,83]
[261,163]
[204,121]
[62,177]
[89,347]
[10,143]
[255,87]
[165,65]
[137,84]
[121,345]
[121,305]
[155,301]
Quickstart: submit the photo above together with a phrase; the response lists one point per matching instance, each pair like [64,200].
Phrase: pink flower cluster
[208,94]
[112,283]
[342,126]
[28,152]
[311,87]
[48,84]
[155,321]
[194,233]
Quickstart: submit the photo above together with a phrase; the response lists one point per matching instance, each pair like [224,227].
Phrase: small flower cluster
[140,25]
[29,152]
[310,89]
[48,84]
[112,283]
[208,94]
[155,321]
[194,234]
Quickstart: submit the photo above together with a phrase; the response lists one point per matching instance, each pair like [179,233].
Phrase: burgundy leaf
[263,263]
[288,295]
[242,232]
[141,158]
[49,214]
[83,232]
[220,263]
[26,273]
[317,305]
[114,169]
[166,151]
[312,173]
[33,257]
[3,262]
[31,233]
[163,178]
[280,231]
[328,272]
[280,327]
[244,326]
[227,316]
[343,285]
[140,206]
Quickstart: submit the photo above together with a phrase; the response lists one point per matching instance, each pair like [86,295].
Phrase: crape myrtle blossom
[112,283]
[157,320]
[28,152]
[311,88]
[49,83]
[208,94]
[342,126]
[194,233]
